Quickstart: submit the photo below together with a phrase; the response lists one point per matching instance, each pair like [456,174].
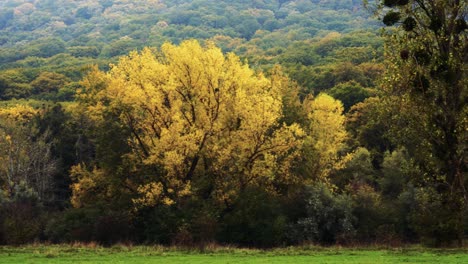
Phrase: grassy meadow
[78,254]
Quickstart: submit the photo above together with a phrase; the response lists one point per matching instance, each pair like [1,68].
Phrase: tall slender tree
[426,56]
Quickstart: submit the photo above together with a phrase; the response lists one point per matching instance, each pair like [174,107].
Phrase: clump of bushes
[328,217]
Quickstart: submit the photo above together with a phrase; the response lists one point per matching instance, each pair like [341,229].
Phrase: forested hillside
[255,123]
[119,25]
[62,37]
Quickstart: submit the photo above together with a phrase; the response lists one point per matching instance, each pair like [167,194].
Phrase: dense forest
[255,123]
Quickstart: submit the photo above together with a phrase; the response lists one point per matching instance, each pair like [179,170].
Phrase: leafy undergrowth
[92,253]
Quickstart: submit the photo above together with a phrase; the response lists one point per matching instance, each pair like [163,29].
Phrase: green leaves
[427,81]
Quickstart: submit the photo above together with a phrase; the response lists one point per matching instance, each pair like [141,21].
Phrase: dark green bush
[72,225]
[435,218]
[90,224]
[329,218]
[20,223]
[22,216]
[255,219]
[158,225]
[368,211]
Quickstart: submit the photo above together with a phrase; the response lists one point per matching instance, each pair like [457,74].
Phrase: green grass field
[140,254]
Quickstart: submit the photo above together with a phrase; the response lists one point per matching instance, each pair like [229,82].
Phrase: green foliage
[20,223]
[368,128]
[188,146]
[84,51]
[14,84]
[67,92]
[6,15]
[89,224]
[392,3]
[21,216]
[396,168]
[426,94]
[254,219]
[368,211]
[349,93]
[81,35]
[433,217]
[328,218]
[48,82]
[119,47]
[66,133]
[25,159]
[409,24]
[357,169]
[159,225]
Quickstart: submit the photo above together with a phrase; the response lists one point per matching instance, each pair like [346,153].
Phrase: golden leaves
[190,105]
[84,185]
[326,135]
[19,113]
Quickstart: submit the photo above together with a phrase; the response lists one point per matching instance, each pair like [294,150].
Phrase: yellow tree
[326,136]
[195,113]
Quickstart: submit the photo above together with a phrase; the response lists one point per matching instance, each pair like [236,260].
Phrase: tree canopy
[192,112]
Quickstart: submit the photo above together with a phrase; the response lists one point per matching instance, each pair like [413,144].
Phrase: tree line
[188,145]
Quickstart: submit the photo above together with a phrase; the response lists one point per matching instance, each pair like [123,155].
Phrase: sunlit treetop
[193,111]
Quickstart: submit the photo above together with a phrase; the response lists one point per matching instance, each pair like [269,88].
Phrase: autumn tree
[326,136]
[25,155]
[195,118]
[426,56]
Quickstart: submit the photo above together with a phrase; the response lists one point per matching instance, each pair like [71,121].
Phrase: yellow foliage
[12,140]
[187,105]
[85,183]
[19,113]
[150,193]
[326,134]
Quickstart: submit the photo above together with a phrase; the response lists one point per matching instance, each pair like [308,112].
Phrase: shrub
[20,223]
[112,228]
[434,218]
[255,219]
[21,216]
[89,224]
[158,225]
[75,224]
[329,217]
[368,211]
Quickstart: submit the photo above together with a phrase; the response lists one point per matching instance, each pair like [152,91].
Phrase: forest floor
[78,254]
